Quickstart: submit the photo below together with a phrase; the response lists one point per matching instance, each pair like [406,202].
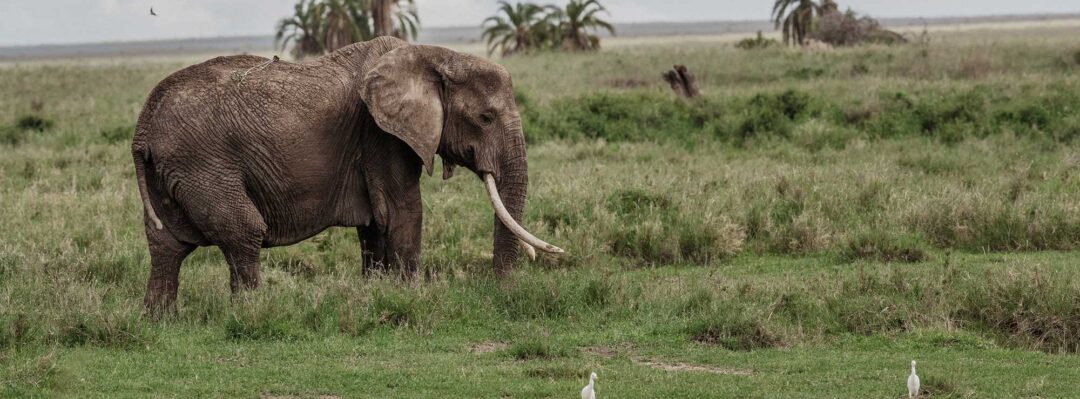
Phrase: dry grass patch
[681,367]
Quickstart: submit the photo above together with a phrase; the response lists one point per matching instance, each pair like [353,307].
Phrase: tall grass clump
[650,228]
[542,297]
[1028,309]
[878,244]
[533,349]
[733,329]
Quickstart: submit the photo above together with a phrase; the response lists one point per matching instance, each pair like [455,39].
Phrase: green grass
[802,231]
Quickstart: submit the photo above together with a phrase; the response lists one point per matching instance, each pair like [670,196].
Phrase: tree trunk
[382,15]
[339,33]
[682,82]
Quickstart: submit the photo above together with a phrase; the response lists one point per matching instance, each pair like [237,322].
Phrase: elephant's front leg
[403,241]
[372,248]
[394,244]
[393,179]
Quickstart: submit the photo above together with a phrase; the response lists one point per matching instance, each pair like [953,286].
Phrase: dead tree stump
[682,82]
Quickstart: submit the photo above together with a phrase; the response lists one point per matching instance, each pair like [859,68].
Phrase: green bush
[755,43]
[616,117]
[33,122]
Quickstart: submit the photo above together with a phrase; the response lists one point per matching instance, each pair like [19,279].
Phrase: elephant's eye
[486,119]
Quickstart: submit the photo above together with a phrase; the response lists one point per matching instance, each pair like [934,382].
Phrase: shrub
[615,117]
[849,29]
[774,114]
[33,122]
[758,42]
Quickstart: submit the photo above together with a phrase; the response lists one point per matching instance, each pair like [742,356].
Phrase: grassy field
[805,230]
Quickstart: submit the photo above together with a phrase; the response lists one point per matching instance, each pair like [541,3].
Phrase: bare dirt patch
[607,352]
[487,347]
[679,367]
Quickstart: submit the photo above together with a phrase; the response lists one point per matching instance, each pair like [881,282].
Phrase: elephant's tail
[141,154]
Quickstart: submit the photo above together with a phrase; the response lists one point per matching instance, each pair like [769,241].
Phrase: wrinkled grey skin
[294,148]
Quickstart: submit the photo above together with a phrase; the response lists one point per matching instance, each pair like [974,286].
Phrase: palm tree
[384,13]
[524,28]
[347,22]
[797,23]
[303,29]
[575,22]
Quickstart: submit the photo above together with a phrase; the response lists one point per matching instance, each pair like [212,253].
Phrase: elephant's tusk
[529,250]
[508,221]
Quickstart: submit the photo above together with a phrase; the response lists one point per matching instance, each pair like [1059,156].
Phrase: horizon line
[1067,15]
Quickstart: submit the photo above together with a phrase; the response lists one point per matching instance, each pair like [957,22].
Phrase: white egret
[588,392]
[912,383]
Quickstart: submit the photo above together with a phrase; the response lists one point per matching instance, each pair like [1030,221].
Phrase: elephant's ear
[404,93]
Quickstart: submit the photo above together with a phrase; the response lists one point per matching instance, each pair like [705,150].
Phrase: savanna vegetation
[524,27]
[801,21]
[320,26]
[807,227]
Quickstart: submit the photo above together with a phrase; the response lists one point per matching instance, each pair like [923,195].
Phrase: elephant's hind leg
[230,220]
[166,255]
[241,243]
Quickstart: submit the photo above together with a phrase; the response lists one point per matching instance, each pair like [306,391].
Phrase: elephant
[243,153]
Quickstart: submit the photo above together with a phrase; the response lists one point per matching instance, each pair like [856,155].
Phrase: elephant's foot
[160,298]
[243,278]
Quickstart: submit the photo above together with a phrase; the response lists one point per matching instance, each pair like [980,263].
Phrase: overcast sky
[28,22]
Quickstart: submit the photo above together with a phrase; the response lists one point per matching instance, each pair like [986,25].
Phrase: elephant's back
[195,85]
[209,102]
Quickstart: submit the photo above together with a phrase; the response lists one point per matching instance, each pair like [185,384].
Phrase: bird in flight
[152,13]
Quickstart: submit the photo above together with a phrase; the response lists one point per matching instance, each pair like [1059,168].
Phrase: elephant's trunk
[508,198]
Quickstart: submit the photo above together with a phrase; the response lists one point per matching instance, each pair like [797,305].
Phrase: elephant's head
[461,107]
